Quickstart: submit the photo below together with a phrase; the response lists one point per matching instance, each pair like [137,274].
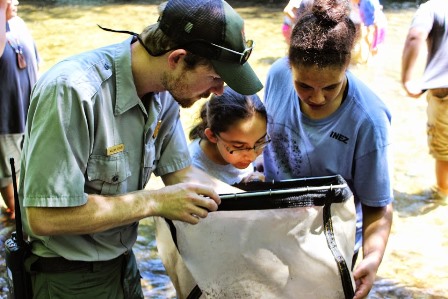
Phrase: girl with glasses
[230,136]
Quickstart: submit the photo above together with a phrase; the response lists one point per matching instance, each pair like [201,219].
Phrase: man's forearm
[98,214]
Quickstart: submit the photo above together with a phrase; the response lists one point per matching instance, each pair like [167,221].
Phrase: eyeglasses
[239,151]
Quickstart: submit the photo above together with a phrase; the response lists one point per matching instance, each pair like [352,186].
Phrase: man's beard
[177,88]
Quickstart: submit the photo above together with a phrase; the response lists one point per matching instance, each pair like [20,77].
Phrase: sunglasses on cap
[229,54]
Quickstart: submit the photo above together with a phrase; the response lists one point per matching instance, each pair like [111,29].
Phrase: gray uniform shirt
[89,132]
[432,17]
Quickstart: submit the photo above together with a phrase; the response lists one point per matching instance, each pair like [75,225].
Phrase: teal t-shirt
[353,142]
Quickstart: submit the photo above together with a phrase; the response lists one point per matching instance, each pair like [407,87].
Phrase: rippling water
[415,265]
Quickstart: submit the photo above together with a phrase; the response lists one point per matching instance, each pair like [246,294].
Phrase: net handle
[291,191]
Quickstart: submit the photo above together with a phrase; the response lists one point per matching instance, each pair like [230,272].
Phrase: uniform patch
[115,149]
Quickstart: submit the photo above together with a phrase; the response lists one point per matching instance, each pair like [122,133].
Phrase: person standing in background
[372,28]
[291,12]
[358,52]
[375,23]
[18,73]
[325,121]
[429,28]
[289,18]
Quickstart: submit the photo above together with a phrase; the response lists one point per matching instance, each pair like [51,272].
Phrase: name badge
[156,130]
[115,149]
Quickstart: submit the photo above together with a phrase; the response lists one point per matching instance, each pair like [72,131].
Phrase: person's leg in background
[442,178]
[10,147]
[7,193]
[437,129]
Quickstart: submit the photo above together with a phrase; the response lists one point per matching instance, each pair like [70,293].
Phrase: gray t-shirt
[16,83]
[226,173]
[432,17]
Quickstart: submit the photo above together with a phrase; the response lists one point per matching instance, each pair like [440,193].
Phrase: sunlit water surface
[415,264]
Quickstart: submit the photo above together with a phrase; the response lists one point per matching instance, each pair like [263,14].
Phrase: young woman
[325,122]
[231,134]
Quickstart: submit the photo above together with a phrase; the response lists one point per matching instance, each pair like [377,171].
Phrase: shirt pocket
[109,173]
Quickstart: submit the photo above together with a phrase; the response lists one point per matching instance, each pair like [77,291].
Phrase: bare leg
[442,176]
[8,196]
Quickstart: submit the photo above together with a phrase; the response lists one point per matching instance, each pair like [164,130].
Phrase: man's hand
[185,202]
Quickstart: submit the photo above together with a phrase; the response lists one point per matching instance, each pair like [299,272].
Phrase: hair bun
[331,12]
